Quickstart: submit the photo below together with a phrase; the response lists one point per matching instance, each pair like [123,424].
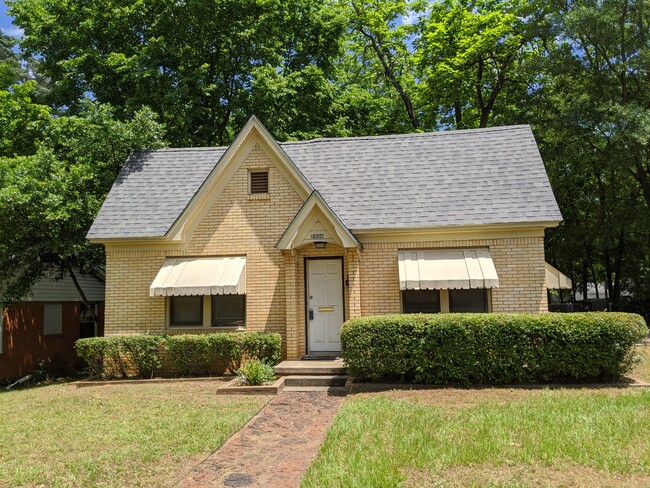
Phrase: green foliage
[190,354]
[492,348]
[10,69]
[51,192]
[114,357]
[197,354]
[265,346]
[103,356]
[470,54]
[142,353]
[592,118]
[256,373]
[93,351]
[195,63]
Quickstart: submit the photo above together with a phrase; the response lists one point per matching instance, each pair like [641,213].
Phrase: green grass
[122,435]
[380,440]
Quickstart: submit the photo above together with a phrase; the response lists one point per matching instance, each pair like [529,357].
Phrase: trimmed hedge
[492,348]
[196,354]
[112,357]
[189,354]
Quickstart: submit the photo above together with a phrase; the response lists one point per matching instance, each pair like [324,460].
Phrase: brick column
[354,282]
[291,306]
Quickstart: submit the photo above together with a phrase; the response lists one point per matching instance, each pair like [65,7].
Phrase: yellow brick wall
[129,308]
[236,224]
[519,263]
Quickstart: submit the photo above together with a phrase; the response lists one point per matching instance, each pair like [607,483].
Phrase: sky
[6,22]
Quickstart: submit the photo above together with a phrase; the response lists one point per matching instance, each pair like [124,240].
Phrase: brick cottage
[298,237]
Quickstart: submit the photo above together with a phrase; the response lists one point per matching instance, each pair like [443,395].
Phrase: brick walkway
[275,448]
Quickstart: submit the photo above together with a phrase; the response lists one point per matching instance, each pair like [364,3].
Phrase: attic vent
[259,182]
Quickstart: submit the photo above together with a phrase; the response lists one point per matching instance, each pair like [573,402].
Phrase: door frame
[306,294]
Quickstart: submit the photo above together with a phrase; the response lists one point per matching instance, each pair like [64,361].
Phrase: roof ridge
[178,149]
[441,133]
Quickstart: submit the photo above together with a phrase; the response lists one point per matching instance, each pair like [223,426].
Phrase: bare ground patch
[470,397]
[535,475]
[641,371]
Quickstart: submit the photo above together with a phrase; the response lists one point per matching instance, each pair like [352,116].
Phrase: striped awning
[555,279]
[200,276]
[448,269]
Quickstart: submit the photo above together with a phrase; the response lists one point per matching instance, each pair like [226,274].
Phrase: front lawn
[118,435]
[490,437]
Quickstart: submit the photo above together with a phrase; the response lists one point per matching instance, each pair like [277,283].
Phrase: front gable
[254,139]
[316,222]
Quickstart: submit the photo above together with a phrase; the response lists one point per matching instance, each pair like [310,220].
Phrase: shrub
[141,352]
[233,348]
[492,348]
[265,346]
[112,357]
[103,356]
[93,351]
[190,354]
[256,373]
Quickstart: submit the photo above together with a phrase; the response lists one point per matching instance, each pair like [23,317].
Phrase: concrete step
[315,380]
[336,390]
[302,368]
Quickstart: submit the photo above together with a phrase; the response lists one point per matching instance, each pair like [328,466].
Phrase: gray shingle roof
[466,177]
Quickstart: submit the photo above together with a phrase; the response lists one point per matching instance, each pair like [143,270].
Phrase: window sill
[53,336]
[259,196]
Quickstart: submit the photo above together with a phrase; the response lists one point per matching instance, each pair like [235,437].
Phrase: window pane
[187,310]
[421,301]
[228,310]
[52,322]
[468,300]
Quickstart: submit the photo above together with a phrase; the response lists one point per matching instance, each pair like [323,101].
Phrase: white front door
[324,304]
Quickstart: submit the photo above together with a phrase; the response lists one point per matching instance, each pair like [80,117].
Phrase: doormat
[319,357]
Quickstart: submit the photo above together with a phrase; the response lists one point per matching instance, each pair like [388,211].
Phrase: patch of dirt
[470,397]
[456,397]
[524,475]
[641,371]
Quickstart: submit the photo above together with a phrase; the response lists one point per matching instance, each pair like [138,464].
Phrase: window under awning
[555,279]
[200,276]
[448,269]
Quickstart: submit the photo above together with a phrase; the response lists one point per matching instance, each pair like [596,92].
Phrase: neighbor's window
[186,310]
[52,319]
[86,322]
[468,300]
[228,310]
[421,301]
[259,182]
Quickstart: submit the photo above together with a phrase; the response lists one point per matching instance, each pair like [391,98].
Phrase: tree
[195,63]
[593,123]
[10,69]
[471,53]
[377,27]
[49,198]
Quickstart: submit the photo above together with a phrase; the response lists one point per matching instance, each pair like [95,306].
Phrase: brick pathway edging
[274,448]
